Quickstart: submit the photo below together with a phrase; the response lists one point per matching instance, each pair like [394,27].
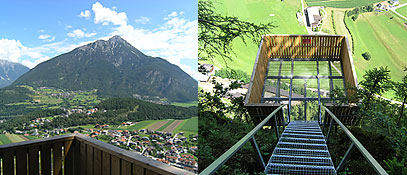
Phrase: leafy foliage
[366,56]
[221,125]
[216,32]
[233,74]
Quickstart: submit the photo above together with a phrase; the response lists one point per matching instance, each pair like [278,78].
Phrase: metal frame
[355,142]
[236,147]
[291,77]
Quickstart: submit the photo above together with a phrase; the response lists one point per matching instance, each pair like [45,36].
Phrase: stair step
[302,160]
[302,140]
[303,132]
[301,152]
[301,145]
[302,135]
[301,129]
[277,168]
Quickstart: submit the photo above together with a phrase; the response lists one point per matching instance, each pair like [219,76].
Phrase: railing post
[329,130]
[347,154]
[276,126]
[257,151]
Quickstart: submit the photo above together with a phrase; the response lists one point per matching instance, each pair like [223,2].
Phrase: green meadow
[341,3]
[402,11]
[384,36]
[282,14]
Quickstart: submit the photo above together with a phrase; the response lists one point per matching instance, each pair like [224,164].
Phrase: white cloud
[105,15]
[78,33]
[41,31]
[32,64]
[142,20]
[46,38]
[85,14]
[67,27]
[175,40]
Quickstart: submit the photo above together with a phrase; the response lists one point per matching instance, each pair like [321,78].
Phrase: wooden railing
[77,154]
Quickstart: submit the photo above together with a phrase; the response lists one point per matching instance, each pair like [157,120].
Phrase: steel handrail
[229,153]
[355,142]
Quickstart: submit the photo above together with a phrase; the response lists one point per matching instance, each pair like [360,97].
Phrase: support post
[276,126]
[291,89]
[319,94]
[347,154]
[258,154]
[329,130]
[305,102]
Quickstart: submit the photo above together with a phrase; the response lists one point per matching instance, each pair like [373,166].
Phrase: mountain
[116,69]
[10,71]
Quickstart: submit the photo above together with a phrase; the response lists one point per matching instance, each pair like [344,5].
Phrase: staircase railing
[250,136]
[355,142]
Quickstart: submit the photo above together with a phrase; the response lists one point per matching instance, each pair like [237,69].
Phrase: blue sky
[34,31]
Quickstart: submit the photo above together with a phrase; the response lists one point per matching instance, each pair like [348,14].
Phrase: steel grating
[301,150]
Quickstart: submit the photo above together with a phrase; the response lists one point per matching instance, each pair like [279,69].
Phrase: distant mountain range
[116,69]
[10,71]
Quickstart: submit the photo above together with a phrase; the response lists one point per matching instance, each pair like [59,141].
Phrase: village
[176,149]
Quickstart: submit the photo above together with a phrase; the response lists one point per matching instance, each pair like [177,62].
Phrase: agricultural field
[188,125]
[340,3]
[282,14]
[12,138]
[334,23]
[402,11]
[384,36]
[185,104]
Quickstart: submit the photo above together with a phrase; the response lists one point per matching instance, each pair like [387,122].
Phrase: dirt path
[157,125]
[173,125]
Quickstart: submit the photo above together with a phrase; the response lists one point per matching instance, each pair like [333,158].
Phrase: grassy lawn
[402,11]
[185,104]
[384,38]
[259,12]
[4,139]
[340,3]
[14,138]
[190,125]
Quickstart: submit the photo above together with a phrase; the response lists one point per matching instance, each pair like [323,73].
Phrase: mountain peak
[117,38]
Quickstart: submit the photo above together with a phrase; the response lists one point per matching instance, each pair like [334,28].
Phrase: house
[205,72]
[394,2]
[313,17]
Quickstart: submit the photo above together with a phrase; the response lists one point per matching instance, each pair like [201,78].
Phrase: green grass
[340,3]
[190,125]
[185,104]
[10,138]
[4,139]
[384,38]
[167,124]
[258,12]
[402,11]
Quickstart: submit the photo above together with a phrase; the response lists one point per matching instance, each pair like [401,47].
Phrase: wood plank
[77,157]
[149,172]
[8,162]
[105,163]
[138,170]
[21,161]
[83,158]
[97,159]
[115,165]
[89,160]
[57,158]
[68,158]
[45,159]
[125,167]
[33,160]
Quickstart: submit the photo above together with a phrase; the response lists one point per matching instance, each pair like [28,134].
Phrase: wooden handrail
[31,143]
[77,151]
[132,157]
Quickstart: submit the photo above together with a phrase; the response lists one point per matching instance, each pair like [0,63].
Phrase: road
[397,13]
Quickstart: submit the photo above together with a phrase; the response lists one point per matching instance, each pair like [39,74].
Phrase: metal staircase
[301,149]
